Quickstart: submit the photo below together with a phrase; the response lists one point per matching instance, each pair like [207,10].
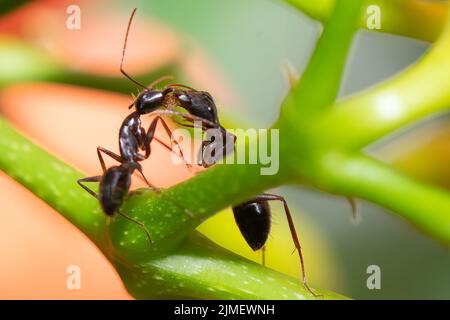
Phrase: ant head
[149,101]
[198,103]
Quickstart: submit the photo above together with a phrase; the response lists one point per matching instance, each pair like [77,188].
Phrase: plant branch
[405,99]
[400,17]
[179,262]
[326,64]
[200,269]
[51,180]
[423,205]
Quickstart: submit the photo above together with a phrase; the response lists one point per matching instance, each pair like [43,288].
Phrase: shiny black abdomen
[254,221]
[113,189]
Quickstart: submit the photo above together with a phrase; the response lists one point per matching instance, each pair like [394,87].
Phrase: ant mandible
[253,218]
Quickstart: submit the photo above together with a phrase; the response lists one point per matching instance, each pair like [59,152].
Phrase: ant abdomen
[113,189]
[253,220]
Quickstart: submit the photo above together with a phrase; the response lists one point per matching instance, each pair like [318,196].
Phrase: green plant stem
[51,180]
[423,205]
[200,269]
[199,198]
[197,268]
[402,17]
[405,99]
[326,64]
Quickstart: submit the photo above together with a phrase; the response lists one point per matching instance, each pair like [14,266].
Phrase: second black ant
[253,217]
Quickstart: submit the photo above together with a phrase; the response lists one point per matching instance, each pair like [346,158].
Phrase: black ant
[253,218]
[199,105]
[115,181]
[113,188]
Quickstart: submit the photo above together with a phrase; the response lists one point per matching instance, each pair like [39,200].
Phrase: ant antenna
[123,53]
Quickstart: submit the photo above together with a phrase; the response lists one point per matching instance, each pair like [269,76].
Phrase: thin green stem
[423,205]
[325,68]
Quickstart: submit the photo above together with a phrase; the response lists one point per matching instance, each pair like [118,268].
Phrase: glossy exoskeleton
[114,186]
[253,217]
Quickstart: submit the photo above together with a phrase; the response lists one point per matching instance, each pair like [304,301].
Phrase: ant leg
[178,85]
[270,197]
[206,124]
[159,80]
[140,224]
[118,159]
[150,136]
[89,179]
[156,189]
[183,124]
[263,255]
[165,145]
[181,156]
[109,153]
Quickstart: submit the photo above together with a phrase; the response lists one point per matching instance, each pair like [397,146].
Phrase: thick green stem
[51,180]
[178,210]
[420,91]
[185,264]
[412,18]
[200,269]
